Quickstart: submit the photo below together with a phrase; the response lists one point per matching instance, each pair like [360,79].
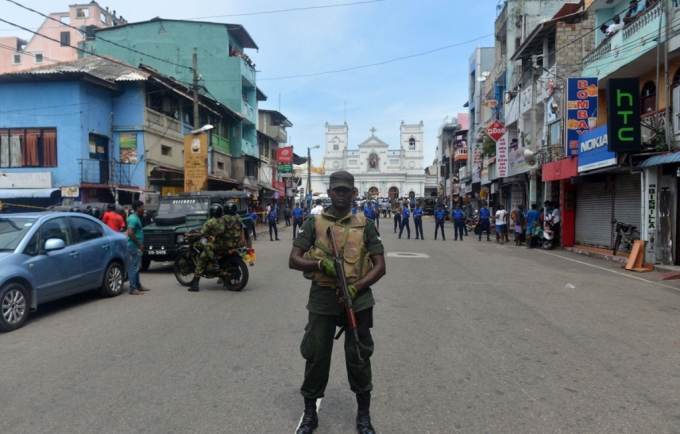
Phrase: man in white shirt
[615,27]
[318,209]
[556,223]
[501,235]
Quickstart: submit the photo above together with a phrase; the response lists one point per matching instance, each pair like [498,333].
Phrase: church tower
[336,145]
[411,141]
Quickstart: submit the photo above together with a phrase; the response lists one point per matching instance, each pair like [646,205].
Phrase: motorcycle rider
[212,230]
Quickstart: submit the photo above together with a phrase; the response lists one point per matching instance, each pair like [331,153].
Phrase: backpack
[231,237]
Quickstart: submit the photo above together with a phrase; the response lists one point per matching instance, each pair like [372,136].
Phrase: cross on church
[373,130]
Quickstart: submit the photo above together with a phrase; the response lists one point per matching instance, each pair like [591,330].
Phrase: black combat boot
[194,285]
[310,420]
[363,414]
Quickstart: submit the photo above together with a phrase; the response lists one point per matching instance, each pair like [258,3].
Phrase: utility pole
[534,173]
[197,118]
[309,176]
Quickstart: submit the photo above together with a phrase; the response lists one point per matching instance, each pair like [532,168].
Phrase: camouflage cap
[341,179]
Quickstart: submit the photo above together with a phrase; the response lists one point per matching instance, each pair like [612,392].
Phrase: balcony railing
[645,18]
[277,132]
[104,172]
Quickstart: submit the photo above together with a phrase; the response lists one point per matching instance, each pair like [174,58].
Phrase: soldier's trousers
[317,346]
[205,258]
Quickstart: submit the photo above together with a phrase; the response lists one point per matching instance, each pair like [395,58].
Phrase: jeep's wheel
[13,306]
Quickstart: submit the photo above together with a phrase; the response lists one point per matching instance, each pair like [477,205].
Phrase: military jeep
[183,213]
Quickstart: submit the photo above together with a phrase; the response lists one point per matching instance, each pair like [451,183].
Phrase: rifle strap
[342,330]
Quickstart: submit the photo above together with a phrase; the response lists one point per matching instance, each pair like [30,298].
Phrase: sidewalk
[593,252]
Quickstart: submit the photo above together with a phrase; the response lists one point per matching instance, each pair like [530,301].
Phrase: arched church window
[411,144]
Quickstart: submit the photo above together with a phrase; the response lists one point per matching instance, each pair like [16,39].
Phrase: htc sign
[623,114]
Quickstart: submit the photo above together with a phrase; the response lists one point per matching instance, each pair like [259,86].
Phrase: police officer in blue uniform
[368,212]
[405,214]
[253,218]
[439,218]
[297,218]
[483,223]
[418,220]
[272,216]
[458,222]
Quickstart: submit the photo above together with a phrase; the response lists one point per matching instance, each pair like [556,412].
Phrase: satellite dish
[490,103]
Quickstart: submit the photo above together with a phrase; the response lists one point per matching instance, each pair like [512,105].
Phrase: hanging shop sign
[476,162]
[496,130]
[285,155]
[593,153]
[195,162]
[285,168]
[502,156]
[128,148]
[623,114]
[581,111]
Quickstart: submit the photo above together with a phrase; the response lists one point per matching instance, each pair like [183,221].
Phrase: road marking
[613,271]
[407,255]
[318,406]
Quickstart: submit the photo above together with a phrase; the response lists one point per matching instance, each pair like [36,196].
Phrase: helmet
[230,208]
[216,210]
[95,212]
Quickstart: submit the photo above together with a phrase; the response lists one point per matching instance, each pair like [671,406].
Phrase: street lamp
[309,171]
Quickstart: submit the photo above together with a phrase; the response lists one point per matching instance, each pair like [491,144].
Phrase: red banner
[285,155]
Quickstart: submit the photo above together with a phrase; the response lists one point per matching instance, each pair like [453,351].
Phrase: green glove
[328,267]
[352,291]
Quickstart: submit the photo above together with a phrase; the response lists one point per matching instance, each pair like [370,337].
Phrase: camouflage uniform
[213,228]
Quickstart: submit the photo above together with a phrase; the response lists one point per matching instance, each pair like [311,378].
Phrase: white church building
[378,169]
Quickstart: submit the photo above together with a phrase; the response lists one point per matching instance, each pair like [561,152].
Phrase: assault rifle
[345,298]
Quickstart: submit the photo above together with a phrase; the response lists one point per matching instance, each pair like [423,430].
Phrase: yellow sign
[196,162]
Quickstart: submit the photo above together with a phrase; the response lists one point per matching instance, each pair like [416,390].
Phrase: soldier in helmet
[212,230]
[364,265]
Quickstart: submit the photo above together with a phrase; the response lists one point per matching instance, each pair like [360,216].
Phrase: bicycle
[624,234]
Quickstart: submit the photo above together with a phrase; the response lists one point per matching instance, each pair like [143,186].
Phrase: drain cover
[407,255]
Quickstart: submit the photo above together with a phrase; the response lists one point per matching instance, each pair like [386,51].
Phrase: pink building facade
[17,54]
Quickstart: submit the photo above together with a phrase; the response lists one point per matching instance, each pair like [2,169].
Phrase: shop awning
[16,193]
[252,187]
[661,159]
[267,187]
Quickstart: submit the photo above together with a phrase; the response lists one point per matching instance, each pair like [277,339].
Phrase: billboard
[593,150]
[196,162]
[285,155]
[581,111]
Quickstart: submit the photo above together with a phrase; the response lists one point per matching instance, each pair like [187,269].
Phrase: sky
[295,43]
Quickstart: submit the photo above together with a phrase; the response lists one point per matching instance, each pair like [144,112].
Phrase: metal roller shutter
[593,214]
[627,199]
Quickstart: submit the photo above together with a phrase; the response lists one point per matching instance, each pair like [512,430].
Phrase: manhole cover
[407,255]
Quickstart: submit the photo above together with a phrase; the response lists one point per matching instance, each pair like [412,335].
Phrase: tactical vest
[349,234]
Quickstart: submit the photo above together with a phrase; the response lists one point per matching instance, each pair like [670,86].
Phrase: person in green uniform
[212,230]
[359,241]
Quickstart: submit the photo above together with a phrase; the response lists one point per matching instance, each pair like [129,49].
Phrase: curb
[610,258]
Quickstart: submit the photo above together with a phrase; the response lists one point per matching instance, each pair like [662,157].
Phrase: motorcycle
[548,240]
[624,234]
[233,269]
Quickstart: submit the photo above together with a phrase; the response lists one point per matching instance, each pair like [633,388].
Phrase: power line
[99,37]
[289,10]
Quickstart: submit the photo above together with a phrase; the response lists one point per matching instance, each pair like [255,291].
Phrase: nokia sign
[623,114]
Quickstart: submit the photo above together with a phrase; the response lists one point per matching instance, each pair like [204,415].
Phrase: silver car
[46,256]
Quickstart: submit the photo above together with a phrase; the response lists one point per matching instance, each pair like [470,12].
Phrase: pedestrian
[532,217]
[278,212]
[466,215]
[376,213]
[418,221]
[286,215]
[357,238]
[368,211]
[536,235]
[501,214]
[458,222]
[483,222]
[354,209]
[405,214]
[112,219]
[439,219]
[318,208]
[556,218]
[520,223]
[135,246]
[397,220]
[253,218]
[272,216]
[297,219]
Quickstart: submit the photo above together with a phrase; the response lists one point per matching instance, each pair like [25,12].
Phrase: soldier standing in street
[364,266]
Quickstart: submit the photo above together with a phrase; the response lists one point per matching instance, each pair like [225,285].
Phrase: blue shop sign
[592,150]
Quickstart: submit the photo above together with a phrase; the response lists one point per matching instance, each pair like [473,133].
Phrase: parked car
[46,256]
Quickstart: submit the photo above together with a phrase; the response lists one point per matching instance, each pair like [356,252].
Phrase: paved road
[471,337]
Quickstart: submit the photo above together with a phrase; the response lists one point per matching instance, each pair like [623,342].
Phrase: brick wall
[570,54]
